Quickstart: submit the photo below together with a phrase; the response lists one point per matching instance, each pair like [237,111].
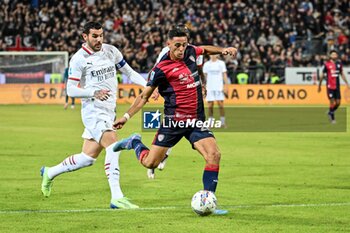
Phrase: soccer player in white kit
[93,67]
[216,75]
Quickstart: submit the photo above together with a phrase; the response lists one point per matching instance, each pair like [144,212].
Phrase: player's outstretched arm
[133,75]
[155,94]
[139,102]
[212,50]
[136,78]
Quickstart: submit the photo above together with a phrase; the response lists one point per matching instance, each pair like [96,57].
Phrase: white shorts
[97,120]
[215,95]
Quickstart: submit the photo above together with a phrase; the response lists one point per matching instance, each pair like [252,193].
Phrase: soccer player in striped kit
[332,69]
[178,82]
[92,77]
[199,62]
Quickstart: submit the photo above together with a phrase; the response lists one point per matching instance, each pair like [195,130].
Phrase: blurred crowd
[270,34]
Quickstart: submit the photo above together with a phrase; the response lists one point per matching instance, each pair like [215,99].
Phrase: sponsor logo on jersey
[192,85]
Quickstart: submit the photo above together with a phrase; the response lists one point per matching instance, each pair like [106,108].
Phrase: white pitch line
[171,208]
[290,205]
[81,210]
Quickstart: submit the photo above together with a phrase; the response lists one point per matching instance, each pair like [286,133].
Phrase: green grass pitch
[270,182]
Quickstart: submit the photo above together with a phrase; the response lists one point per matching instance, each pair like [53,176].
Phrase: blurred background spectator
[270,34]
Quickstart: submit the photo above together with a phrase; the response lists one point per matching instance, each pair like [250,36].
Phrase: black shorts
[169,137]
[333,94]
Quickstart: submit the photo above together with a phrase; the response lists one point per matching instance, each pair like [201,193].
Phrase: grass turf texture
[270,182]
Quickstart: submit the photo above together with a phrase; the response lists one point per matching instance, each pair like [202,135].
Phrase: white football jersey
[97,71]
[214,71]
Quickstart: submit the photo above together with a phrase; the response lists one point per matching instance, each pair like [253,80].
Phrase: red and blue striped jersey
[332,71]
[179,84]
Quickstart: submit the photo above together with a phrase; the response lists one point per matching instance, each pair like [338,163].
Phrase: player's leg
[112,164]
[337,104]
[337,98]
[112,170]
[210,100]
[73,103]
[222,112]
[91,150]
[148,158]
[152,158]
[210,109]
[66,102]
[164,139]
[208,148]
[332,104]
[335,107]
[161,166]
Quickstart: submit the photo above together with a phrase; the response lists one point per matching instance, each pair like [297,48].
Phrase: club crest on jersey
[192,58]
[161,137]
[152,75]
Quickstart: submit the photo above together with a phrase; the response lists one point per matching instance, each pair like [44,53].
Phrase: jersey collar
[86,49]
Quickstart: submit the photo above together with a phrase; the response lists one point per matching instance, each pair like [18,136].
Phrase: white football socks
[112,172]
[72,163]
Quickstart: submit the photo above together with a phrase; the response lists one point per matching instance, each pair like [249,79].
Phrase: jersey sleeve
[75,69]
[156,77]
[199,50]
[162,53]
[199,60]
[118,58]
[224,69]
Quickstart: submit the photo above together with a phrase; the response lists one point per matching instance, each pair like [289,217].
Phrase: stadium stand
[270,35]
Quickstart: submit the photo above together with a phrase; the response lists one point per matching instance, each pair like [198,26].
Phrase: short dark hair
[178,31]
[333,51]
[91,25]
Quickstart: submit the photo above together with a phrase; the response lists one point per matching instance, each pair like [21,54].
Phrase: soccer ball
[203,202]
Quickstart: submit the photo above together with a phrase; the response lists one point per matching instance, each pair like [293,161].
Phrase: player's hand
[319,89]
[229,51]
[119,123]
[155,94]
[102,94]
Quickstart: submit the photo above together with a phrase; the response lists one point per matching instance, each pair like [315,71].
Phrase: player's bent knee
[150,164]
[214,157]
